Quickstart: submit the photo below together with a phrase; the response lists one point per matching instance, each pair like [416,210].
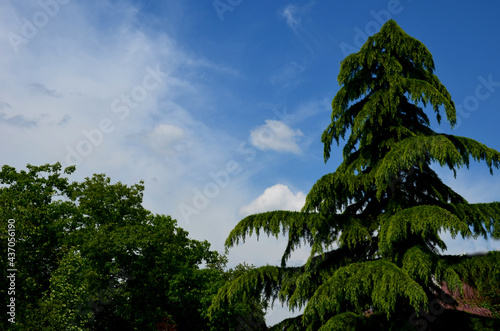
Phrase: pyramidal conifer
[374,224]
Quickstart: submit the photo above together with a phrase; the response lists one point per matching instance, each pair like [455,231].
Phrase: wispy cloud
[293,14]
[295,17]
[79,83]
[277,136]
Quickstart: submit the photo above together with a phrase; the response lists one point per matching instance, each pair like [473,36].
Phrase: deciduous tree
[90,257]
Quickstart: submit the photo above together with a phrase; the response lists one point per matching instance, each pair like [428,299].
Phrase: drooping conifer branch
[374,225]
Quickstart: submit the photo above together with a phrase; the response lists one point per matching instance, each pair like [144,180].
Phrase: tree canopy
[89,256]
[374,225]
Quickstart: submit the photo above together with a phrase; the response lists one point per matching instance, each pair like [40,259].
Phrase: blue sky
[219,105]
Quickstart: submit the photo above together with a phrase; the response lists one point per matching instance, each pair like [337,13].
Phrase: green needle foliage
[374,224]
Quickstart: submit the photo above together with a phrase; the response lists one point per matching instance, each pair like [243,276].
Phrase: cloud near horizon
[277,197]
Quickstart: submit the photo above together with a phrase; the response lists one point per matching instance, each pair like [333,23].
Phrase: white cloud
[65,80]
[277,136]
[277,197]
[167,138]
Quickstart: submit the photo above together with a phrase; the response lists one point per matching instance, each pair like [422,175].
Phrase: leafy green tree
[90,257]
[374,224]
[26,197]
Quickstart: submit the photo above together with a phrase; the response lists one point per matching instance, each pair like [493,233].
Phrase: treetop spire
[386,82]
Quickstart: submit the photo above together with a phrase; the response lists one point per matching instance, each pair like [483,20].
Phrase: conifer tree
[377,259]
